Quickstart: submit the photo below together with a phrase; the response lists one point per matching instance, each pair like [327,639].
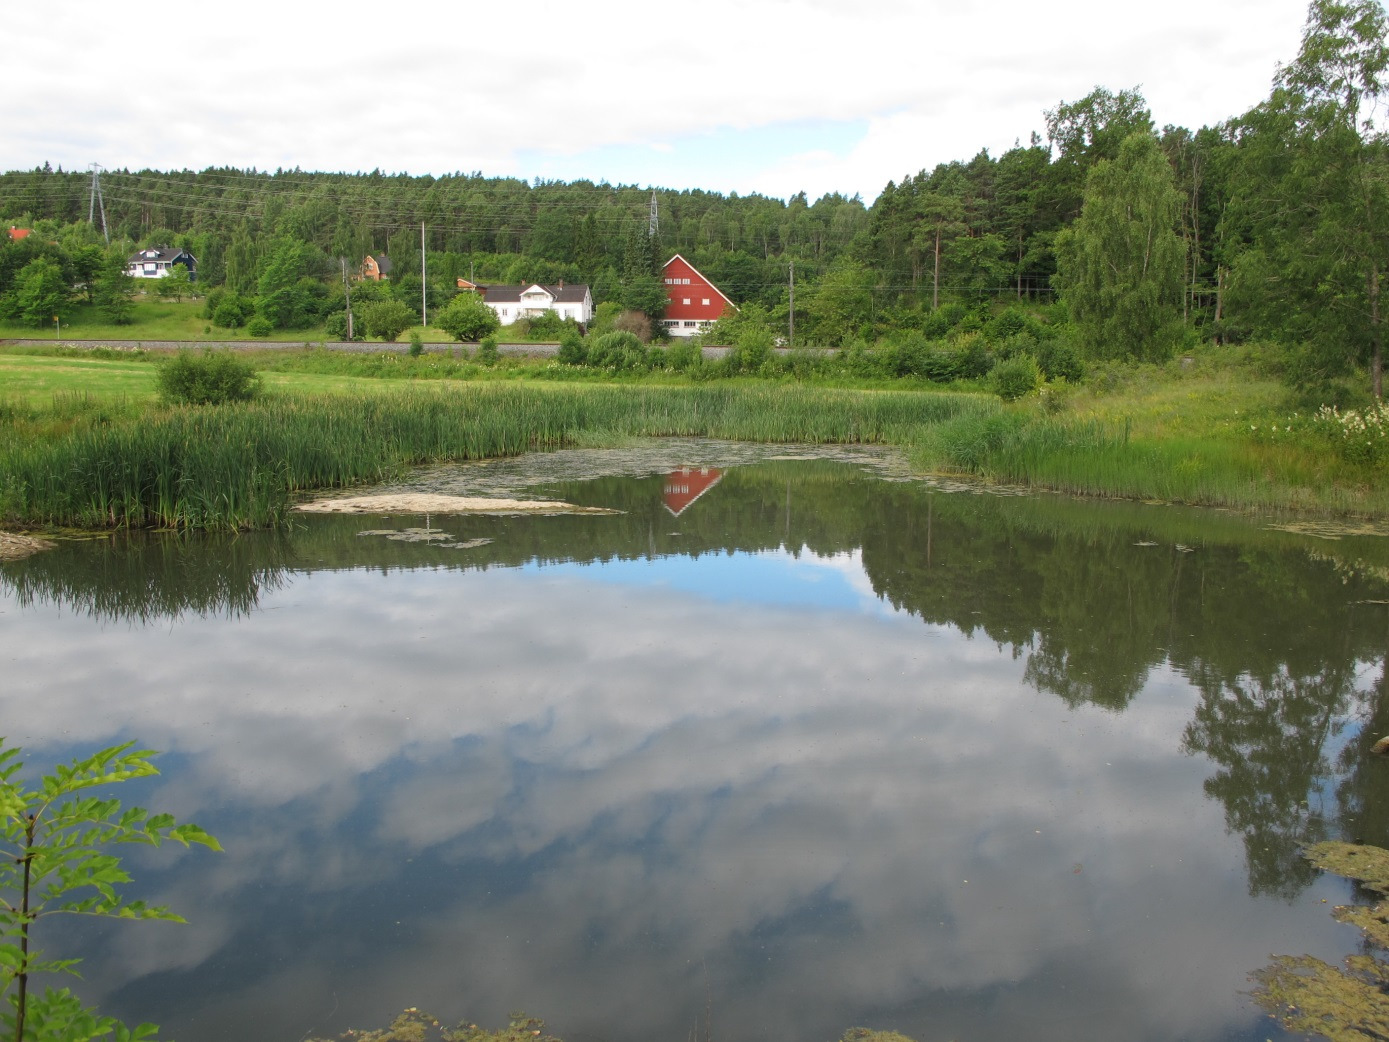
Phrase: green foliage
[40,292]
[571,348]
[683,355]
[1310,196]
[55,838]
[1119,266]
[113,291]
[176,285]
[236,468]
[386,319]
[467,317]
[1015,377]
[1059,360]
[487,352]
[212,378]
[259,327]
[619,351]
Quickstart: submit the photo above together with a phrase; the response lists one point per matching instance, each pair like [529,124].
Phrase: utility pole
[347,294]
[94,200]
[791,334]
[653,224]
[424,283]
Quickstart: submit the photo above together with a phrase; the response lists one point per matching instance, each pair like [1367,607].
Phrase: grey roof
[383,263]
[166,254]
[570,293]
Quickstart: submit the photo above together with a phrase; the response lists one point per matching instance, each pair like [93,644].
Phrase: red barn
[695,303]
[684,486]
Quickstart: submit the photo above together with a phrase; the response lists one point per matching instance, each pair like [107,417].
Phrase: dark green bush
[211,378]
[683,355]
[487,352]
[619,350]
[571,347]
[1059,360]
[1014,377]
[259,327]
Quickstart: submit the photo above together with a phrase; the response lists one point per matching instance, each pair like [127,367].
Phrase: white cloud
[442,87]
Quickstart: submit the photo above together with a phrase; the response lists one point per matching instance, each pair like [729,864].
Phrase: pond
[792,742]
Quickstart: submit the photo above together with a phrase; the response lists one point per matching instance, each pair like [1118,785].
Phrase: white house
[513,302]
[157,261]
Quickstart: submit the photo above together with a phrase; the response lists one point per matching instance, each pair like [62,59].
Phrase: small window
[706,302]
[689,323]
[686,300]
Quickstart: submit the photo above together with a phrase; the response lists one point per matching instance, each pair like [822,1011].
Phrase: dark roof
[383,263]
[167,254]
[570,293]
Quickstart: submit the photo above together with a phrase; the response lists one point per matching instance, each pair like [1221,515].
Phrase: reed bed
[1098,458]
[241,466]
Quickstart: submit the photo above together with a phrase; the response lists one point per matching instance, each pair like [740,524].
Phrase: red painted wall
[696,291]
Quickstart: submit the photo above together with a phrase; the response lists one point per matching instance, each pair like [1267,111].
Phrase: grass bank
[241,466]
[1217,433]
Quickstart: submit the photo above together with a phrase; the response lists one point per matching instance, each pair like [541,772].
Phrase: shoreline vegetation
[86,442]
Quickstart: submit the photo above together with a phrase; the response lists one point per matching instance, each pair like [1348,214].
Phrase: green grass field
[1214,435]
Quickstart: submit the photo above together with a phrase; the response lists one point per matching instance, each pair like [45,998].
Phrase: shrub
[754,345]
[387,319]
[230,310]
[487,352]
[638,323]
[1015,377]
[684,355]
[972,361]
[942,320]
[1059,360]
[571,347]
[259,327]
[212,378]
[619,350]
[468,317]
[416,343]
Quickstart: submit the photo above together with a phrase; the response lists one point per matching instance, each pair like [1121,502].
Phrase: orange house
[376,267]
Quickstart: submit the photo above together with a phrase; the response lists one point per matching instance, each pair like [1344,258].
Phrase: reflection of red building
[687,484]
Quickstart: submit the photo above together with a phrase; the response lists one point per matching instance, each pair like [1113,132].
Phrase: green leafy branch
[53,861]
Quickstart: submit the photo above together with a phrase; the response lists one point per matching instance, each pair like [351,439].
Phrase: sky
[750,96]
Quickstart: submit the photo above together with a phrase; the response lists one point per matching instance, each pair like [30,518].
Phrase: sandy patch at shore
[431,503]
[14,546]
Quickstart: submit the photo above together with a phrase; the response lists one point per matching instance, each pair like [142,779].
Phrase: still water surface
[788,745]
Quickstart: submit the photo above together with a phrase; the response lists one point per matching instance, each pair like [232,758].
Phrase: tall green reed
[239,466]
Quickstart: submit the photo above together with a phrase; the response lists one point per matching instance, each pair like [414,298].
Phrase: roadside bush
[1015,377]
[754,345]
[487,352]
[212,378]
[684,355]
[468,317]
[259,327]
[416,343]
[571,347]
[387,319]
[619,351]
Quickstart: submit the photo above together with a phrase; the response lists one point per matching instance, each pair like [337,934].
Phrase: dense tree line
[1132,241]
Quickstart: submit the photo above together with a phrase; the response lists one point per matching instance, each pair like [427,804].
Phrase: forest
[1115,237]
